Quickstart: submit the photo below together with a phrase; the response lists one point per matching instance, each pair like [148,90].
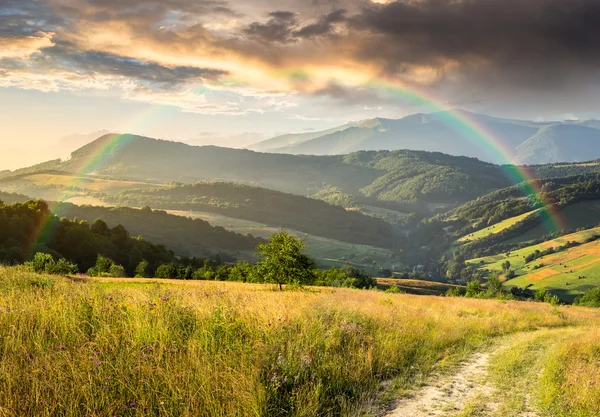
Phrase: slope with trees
[269,207]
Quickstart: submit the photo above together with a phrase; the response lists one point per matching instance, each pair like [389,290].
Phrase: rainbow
[457,120]
[480,136]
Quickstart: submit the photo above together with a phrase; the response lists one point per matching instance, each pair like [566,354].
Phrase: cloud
[279,28]
[464,51]
[534,41]
[323,26]
[24,47]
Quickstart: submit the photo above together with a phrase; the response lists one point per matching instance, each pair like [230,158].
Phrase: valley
[326,208]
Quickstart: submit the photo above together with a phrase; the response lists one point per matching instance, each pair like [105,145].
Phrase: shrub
[591,298]
[106,268]
[44,262]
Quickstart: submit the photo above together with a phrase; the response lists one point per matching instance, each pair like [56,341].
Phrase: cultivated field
[567,274]
[124,348]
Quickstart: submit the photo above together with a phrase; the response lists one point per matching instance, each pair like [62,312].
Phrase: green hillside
[183,235]
[577,215]
[270,207]
[567,266]
[496,228]
[326,252]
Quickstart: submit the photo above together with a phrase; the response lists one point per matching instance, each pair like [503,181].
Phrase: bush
[591,298]
[143,270]
[44,262]
[106,268]
[473,289]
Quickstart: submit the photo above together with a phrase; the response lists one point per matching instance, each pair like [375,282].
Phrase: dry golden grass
[133,347]
[571,379]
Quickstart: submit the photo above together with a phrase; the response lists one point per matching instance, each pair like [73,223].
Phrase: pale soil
[449,394]
[471,391]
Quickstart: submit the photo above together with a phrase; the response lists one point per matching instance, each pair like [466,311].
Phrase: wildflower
[164,298]
[150,349]
[132,405]
[63,347]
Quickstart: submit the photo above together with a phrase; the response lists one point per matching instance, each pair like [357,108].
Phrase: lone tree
[283,261]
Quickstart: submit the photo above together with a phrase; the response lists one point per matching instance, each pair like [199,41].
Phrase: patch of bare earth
[448,394]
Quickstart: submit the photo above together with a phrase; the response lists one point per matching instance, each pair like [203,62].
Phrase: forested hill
[398,176]
[136,157]
[407,177]
[268,207]
[183,235]
[26,228]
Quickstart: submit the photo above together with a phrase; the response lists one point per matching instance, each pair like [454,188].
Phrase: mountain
[440,132]
[560,142]
[265,206]
[294,138]
[436,132]
[415,180]
[399,176]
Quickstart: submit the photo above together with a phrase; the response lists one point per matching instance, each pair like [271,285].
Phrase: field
[567,274]
[584,214]
[414,286]
[496,228]
[327,252]
[126,347]
[55,186]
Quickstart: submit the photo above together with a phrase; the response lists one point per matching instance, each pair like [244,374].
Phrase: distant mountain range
[528,142]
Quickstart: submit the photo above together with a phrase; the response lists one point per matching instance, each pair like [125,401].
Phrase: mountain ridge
[439,132]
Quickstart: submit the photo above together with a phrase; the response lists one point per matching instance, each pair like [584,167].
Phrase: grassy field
[415,286]
[567,274]
[578,215]
[129,347]
[496,228]
[327,252]
[68,187]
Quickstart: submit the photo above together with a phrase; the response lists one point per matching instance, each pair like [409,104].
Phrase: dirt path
[449,394]
[497,382]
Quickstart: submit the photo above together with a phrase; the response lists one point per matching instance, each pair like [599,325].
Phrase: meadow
[119,347]
[327,252]
[583,214]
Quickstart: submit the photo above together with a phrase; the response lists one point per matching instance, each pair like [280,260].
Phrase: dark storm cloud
[518,37]
[323,26]
[277,29]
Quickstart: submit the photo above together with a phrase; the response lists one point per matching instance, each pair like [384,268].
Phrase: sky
[232,73]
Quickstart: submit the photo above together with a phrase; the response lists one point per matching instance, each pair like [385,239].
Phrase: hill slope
[268,207]
[426,132]
[567,266]
[565,143]
[531,142]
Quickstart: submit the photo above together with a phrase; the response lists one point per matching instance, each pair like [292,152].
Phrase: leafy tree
[283,261]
